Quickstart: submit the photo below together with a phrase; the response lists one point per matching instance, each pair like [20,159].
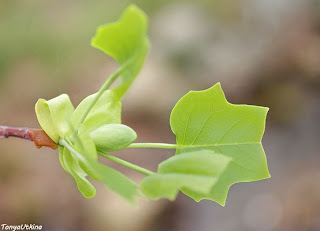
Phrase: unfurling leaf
[45,120]
[72,166]
[107,110]
[58,118]
[205,120]
[114,180]
[54,116]
[127,42]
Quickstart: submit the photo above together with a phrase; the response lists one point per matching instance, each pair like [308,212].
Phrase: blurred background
[264,52]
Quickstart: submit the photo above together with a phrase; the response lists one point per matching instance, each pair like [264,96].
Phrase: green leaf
[195,171]
[72,166]
[204,120]
[61,159]
[116,181]
[85,146]
[112,137]
[85,154]
[61,110]
[127,42]
[45,120]
[54,116]
[107,110]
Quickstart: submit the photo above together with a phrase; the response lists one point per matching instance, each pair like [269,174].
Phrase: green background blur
[264,52]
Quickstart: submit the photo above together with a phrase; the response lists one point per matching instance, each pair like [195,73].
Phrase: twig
[38,136]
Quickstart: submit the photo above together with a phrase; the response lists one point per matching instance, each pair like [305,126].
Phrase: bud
[111,137]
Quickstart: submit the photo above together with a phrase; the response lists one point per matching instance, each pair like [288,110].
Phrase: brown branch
[38,136]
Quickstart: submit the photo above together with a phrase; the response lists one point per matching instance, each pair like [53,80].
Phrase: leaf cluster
[218,143]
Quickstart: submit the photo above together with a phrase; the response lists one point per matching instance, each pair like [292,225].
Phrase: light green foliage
[72,166]
[107,110]
[53,116]
[195,171]
[127,42]
[61,110]
[112,137]
[218,143]
[204,120]
[116,181]
[79,158]
[84,145]
[113,179]
[45,120]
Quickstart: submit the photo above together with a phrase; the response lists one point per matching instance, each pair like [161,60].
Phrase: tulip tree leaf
[85,146]
[61,158]
[58,119]
[218,143]
[127,42]
[85,156]
[196,171]
[205,120]
[45,120]
[61,110]
[54,116]
[107,110]
[116,181]
[73,167]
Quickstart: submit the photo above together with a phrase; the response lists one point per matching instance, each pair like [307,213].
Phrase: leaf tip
[91,195]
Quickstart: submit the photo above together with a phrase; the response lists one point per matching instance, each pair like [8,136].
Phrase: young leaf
[84,153]
[45,120]
[112,137]
[54,116]
[107,110]
[85,146]
[61,158]
[61,110]
[116,181]
[195,171]
[126,41]
[72,166]
[204,120]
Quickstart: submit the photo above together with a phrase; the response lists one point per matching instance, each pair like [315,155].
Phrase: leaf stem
[126,163]
[108,156]
[153,145]
[105,86]
[71,149]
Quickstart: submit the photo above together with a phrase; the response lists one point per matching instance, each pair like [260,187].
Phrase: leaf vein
[232,126]
[204,123]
